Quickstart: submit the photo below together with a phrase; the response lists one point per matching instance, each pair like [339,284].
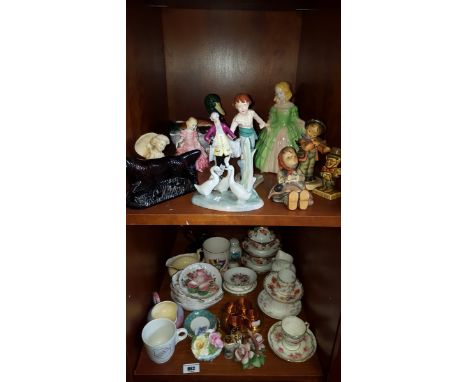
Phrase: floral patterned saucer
[282,294]
[200,281]
[306,348]
[239,292]
[240,278]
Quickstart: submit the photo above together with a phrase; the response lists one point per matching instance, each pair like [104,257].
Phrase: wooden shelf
[275,369]
[181,211]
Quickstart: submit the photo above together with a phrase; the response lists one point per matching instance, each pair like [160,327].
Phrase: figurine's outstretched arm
[260,121]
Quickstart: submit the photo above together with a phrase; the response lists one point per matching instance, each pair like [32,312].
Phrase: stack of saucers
[281,294]
[197,287]
[260,249]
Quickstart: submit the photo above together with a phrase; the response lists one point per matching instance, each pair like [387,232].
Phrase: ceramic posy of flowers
[207,346]
[251,354]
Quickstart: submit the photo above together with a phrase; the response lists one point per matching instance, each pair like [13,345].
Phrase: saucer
[200,321]
[271,285]
[275,309]
[306,348]
[239,292]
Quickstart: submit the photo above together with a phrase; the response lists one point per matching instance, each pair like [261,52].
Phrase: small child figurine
[244,120]
[151,145]
[290,188]
[189,141]
[329,172]
[310,146]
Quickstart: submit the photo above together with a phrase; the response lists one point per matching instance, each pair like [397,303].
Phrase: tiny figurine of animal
[153,181]
[208,186]
[223,184]
[237,189]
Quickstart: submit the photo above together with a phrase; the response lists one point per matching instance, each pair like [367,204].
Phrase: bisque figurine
[151,145]
[218,136]
[290,188]
[284,128]
[188,140]
[244,121]
[310,147]
[153,181]
[226,194]
[329,172]
[213,104]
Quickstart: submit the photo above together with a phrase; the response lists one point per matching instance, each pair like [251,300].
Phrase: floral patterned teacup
[216,252]
[294,330]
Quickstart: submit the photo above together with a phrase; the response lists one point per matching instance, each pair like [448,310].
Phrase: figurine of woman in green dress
[283,129]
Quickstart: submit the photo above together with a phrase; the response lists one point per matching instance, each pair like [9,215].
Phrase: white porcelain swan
[208,186]
[223,185]
[240,192]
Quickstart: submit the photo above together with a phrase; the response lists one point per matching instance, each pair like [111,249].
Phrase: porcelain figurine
[284,128]
[290,188]
[310,147]
[208,186]
[151,145]
[218,135]
[329,172]
[213,104]
[237,198]
[153,181]
[244,120]
[188,140]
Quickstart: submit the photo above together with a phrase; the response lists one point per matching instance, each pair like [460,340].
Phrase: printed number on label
[191,368]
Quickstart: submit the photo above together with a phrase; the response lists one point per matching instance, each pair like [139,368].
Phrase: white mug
[160,337]
[216,252]
[294,331]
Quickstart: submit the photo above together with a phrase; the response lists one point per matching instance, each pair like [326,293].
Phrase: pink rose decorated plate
[305,350]
[200,281]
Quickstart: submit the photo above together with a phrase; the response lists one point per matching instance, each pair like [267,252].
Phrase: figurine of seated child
[290,188]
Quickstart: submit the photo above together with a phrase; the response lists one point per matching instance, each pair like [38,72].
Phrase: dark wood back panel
[227,52]
[317,256]
[146,79]
[147,249]
[318,83]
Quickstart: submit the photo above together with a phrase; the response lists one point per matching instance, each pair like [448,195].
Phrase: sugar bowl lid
[261,235]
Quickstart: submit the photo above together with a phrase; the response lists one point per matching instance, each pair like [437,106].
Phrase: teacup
[278,265]
[294,331]
[216,252]
[160,337]
[169,310]
[281,255]
[286,278]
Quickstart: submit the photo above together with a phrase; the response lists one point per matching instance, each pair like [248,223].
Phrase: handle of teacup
[156,298]
[200,253]
[306,325]
[181,335]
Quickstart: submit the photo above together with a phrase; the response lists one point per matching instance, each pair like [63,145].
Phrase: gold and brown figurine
[310,145]
[329,172]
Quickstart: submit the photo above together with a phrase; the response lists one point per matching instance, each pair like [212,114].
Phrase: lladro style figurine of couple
[225,193]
